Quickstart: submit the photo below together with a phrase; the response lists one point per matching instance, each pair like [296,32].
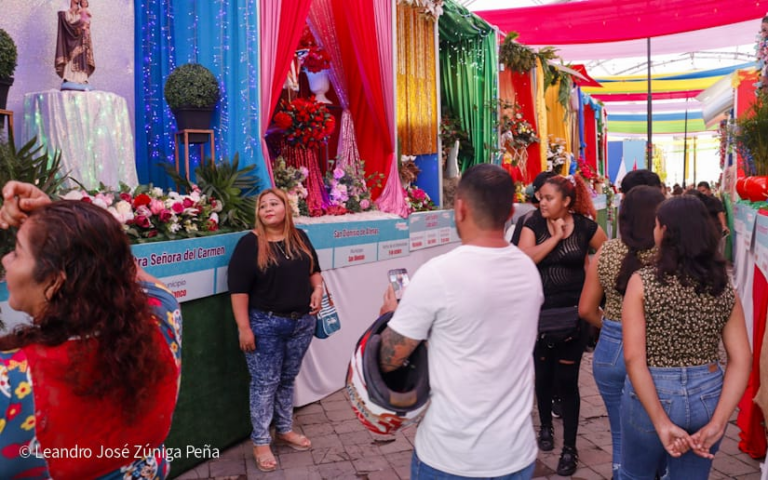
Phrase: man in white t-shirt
[478,306]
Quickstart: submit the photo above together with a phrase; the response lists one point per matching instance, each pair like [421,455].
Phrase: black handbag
[559,324]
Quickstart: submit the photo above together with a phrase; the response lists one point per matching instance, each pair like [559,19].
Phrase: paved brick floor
[343,449]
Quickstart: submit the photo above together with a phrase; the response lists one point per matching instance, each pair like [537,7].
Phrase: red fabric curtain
[356,29]
[598,21]
[293,16]
[750,419]
[517,88]
[590,136]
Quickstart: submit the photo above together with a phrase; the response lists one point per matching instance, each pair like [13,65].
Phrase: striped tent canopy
[673,94]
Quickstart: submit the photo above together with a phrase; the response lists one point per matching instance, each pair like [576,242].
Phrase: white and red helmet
[386,402]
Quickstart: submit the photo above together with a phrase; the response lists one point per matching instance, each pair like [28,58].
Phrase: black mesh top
[562,270]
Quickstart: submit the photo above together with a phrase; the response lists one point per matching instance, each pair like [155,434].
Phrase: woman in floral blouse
[88,389]
[677,400]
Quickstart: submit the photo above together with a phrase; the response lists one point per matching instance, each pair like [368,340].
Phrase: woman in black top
[276,289]
[558,238]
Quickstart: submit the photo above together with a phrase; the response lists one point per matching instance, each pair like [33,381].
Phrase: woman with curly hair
[558,238]
[276,289]
[98,368]
[677,400]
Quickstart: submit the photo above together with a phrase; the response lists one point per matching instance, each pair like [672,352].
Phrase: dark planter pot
[5,85]
[189,118]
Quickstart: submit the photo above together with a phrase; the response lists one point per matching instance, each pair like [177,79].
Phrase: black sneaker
[557,407]
[546,439]
[569,460]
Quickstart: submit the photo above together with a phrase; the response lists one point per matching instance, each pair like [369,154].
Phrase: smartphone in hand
[398,278]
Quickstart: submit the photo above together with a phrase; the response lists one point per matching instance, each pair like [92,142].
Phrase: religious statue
[74,50]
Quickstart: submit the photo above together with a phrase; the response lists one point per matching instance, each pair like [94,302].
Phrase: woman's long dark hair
[98,299]
[636,221]
[689,248]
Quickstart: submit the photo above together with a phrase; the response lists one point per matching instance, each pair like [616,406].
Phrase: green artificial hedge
[191,85]
[8,55]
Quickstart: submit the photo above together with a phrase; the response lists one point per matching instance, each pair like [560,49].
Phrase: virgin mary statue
[74,50]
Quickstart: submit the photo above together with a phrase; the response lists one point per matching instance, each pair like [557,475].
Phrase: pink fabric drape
[281,23]
[392,199]
[323,25]
[359,45]
[598,21]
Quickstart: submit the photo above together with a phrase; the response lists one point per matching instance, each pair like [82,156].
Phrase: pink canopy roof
[600,21]
[742,33]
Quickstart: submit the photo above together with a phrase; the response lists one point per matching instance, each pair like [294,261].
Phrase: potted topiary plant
[8,56]
[192,92]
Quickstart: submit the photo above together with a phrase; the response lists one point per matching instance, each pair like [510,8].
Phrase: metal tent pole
[649,145]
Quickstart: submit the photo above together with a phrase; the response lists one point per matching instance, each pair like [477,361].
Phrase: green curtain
[468,79]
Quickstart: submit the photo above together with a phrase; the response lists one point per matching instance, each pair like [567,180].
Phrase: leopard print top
[608,267]
[682,328]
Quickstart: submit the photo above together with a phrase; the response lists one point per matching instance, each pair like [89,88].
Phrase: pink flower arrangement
[291,181]
[150,213]
[347,191]
[417,199]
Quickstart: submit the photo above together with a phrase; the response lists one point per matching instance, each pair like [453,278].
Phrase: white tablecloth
[92,130]
[357,293]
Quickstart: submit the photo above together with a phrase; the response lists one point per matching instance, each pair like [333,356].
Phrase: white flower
[174,227]
[157,192]
[215,217]
[107,199]
[293,200]
[217,205]
[125,211]
[75,195]
[99,201]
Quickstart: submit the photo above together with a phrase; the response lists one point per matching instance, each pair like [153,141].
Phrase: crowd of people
[505,323]
[660,295]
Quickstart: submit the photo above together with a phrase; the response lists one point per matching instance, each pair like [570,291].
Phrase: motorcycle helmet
[386,402]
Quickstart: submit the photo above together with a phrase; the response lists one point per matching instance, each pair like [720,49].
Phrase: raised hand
[558,228]
[18,200]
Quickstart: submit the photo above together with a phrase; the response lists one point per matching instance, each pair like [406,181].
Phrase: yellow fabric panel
[642,76]
[558,123]
[541,113]
[657,86]
[416,82]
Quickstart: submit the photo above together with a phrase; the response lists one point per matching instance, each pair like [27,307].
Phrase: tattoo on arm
[395,350]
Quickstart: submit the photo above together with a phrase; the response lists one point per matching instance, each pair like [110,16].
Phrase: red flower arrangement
[305,122]
[316,59]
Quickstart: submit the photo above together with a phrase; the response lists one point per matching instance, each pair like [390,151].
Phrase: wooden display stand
[7,114]
[186,134]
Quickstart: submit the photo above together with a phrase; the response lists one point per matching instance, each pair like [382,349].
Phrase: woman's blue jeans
[280,347]
[689,396]
[610,372]
[422,471]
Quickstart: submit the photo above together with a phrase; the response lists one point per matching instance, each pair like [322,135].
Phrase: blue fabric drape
[222,35]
